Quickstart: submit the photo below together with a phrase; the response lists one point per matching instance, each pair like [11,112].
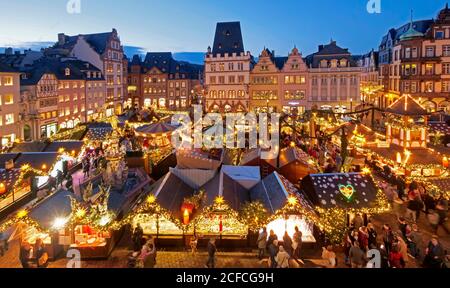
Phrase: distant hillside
[192,57]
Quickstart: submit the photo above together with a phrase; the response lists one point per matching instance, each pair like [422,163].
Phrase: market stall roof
[9,177]
[37,159]
[407,106]
[342,190]
[247,176]
[250,155]
[28,147]
[198,159]
[440,127]
[419,156]
[274,191]
[68,146]
[98,134]
[195,178]
[171,192]
[7,157]
[55,206]
[156,129]
[234,194]
[289,155]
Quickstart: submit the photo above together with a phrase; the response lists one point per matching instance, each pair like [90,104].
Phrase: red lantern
[2,188]
[220,224]
[445,162]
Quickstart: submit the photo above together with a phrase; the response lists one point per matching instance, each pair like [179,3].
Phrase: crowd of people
[280,251]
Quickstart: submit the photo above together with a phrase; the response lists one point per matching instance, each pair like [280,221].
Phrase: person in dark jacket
[272,237]
[273,252]
[388,237]
[262,243]
[434,254]
[287,243]
[24,254]
[373,243]
[211,253]
[138,233]
[41,254]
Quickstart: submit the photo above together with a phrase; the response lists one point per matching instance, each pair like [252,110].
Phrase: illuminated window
[8,81]
[9,99]
[9,119]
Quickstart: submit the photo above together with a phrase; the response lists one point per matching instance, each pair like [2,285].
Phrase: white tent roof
[247,176]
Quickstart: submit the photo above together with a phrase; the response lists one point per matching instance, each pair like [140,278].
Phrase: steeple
[411,33]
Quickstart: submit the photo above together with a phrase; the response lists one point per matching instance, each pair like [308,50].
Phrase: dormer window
[228,33]
[236,45]
[67,72]
[439,34]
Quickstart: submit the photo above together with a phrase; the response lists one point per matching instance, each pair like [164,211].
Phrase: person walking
[357,256]
[262,243]
[136,237]
[388,237]
[363,238]
[434,254]
[41,254]
[287,243]
[442,211]
[395,258]
[273,251]
[211,253]
[415,242]
[297,243]
[282,258]
[25,254]
[373,242]
[272,237]
[358,221]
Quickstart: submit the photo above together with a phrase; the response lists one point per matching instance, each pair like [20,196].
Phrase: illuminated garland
[254,215]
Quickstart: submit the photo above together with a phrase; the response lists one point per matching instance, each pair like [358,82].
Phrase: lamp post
[351,104]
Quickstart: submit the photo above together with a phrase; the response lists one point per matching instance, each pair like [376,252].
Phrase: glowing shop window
[280,226]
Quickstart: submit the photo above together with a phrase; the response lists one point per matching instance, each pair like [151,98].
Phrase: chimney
[320,48]
[9,51]
[61,39]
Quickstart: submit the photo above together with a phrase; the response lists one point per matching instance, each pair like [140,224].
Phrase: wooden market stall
[287,207]
[339,197]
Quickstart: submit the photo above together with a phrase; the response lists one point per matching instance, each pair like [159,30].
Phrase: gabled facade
[161,82]
[10,127]
[334,78]
[227,71]
[103,50]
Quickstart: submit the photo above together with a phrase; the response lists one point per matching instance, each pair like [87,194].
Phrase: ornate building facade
[334,78]
[227,71]
[161,82]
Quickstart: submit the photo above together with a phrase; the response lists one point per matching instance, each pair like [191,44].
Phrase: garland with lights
[254,215]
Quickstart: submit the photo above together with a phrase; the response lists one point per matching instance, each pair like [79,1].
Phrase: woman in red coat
[363,237]
[395,258]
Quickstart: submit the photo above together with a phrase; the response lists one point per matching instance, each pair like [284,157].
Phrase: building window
[446,51]
[445,86]
[9,119]
[407,53]
[413,87]
[221,79]
[231,79]
[430,51]
[439,35]
[429,69]
[8,99]
[8,81]
[414,52]
[429,87]
[221,67]
[241,79]
[446,68]
[213,68]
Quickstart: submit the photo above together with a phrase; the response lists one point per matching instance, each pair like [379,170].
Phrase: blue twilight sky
[188,25]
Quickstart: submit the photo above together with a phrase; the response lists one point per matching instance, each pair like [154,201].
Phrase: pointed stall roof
[407,106]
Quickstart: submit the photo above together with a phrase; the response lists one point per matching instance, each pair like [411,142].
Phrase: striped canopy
[156,129]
